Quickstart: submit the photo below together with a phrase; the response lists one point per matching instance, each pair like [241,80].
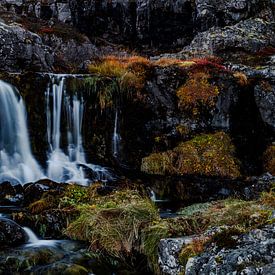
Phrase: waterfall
[65,109]
[17,164]
[34,241]
[116,138]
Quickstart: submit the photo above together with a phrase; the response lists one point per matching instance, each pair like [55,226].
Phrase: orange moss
[210,155]
[269,159]
[197,93]
[241,78]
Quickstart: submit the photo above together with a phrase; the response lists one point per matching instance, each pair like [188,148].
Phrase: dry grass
[197,93]
[131,72]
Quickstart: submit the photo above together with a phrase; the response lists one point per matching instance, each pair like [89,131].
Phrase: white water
[63,109]
[17,164]
[34,241]
[116,138]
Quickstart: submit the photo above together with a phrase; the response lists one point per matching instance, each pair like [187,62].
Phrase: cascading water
[67,166]
[116,138]
[17,164]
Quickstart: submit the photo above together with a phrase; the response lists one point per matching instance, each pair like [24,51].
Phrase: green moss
[210,155]
[76,270]
[73,195]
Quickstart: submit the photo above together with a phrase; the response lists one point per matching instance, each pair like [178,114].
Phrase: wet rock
[11,194]
[56,259]
[34,191]
[253,254]
[11,234]
[23,50]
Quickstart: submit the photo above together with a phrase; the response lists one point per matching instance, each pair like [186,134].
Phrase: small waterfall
[17,164]
[116,138]
[62,108]
[32,238]
[34,241]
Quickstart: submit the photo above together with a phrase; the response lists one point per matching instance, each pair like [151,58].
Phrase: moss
[76,270]
[269,159]
[226,238]
[193,249]
[74,194]
[210,155]
[195,209]
[197,93]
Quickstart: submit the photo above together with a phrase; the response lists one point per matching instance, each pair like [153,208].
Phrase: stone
[23,50]
[253,254]
[169,250]
[250,36]
[265,99]
[11,234]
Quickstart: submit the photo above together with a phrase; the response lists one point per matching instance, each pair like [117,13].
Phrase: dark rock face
[23,50]
[265,100]
[254,254]
[211,13]
[11,233]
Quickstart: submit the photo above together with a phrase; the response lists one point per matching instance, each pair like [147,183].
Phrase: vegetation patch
[211,155]
[131,72]
[197,94]
[269,159]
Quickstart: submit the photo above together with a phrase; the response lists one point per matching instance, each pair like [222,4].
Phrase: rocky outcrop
[251,253]
[249,36]
[265,100]
[169,250]
[23,50]
[211,13]
[254,254]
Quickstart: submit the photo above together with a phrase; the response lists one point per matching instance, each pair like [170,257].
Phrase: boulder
[250,36]
[253,254]
[23,50]
[11,233]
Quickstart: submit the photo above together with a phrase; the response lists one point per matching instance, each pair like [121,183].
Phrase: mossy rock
[76,270]
[207,155]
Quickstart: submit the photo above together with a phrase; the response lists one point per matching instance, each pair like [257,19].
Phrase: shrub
[197,93]
[210,155]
